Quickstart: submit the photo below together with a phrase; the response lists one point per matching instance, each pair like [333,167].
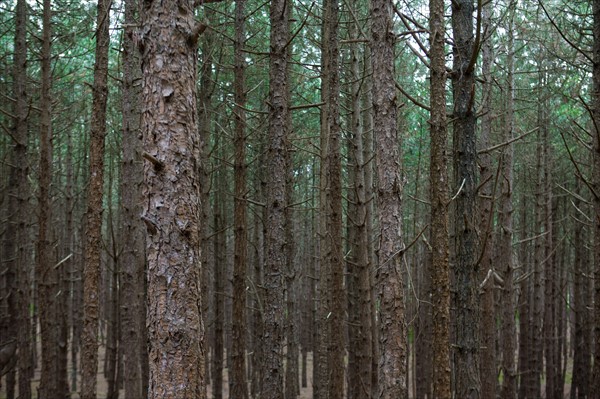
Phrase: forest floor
[305,393]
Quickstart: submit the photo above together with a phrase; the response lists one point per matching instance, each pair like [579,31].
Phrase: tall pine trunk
[91,270]
[275,261]
[238,350]
[389,286]
[465,300]
[172,190]
[440,239]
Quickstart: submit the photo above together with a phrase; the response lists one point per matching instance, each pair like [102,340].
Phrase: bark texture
[392,329]
[334,256]
[133,308]
[466,296]
[53,383]
[238,342]
[440,240]
[91,270]
[172,199]
[275,261]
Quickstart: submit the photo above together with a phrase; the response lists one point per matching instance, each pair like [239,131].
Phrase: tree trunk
[172,199]
[18,210]
[91,271]
[133,320]
[390,296]
[359,372]
[488,367]
[220,253]
[505,236]
[335,257]
[238,352]
[52,385]
[440,240]
[595,383]
[275,261]
[466,297]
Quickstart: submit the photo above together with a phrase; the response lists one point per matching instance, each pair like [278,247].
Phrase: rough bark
[440,239]
[172,199]
[53,382]
[273,334]
[359,371]
[465,299]
[389,286]
[133,320]
[335,257]
[91,270]
[238,350]
[18,209]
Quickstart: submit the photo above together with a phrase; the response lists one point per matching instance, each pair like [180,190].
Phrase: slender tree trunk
[335,258]
[466,297]
[505,237]
[321,372]
[440,239]
[275,261]
[488,367]
[172,199]
[18,209]
[220,253]
[238,353]
[392,329]
[359,372]
[91,271]
[51,384]
[133,320]
[595,383]
[204,129]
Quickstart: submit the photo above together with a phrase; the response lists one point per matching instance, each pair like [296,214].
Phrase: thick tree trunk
[133,320]
[91,271]
[172,199]
[466,296]
[238,350]
[440,239]
[275,261]
[390,296]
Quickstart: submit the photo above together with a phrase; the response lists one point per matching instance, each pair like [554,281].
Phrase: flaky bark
[466,297]
[275,223]
[133,309]
[172,199]
[392,328]
[440,240]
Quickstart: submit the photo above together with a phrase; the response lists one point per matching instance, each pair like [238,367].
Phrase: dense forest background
[391,199]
